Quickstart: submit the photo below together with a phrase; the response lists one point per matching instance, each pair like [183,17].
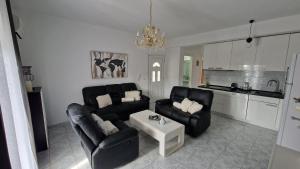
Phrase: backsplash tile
[258,79]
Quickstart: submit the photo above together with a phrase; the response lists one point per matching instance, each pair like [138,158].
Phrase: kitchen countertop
[251,92]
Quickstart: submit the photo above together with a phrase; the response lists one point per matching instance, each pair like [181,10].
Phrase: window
[156,64]
[153,76]
[158,76]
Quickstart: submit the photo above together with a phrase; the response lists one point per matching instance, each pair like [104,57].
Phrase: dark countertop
[251,92]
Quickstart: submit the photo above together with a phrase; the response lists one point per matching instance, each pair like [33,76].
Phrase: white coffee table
[164,134]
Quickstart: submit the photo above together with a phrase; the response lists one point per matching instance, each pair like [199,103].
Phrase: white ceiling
[175,17]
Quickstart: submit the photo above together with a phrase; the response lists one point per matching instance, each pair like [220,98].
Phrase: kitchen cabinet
[230,104]
[271,52]
[209,56]
[217,56]
[243,55]
[294,47]
[264,111]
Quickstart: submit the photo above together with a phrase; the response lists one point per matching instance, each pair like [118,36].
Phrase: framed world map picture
[108,65]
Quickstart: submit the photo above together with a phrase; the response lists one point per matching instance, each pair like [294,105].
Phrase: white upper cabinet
[223,55]
[210,55]
[294,48]
[272,52]
[243,55]
[217,56]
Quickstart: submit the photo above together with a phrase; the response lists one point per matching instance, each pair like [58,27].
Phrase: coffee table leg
[163,151]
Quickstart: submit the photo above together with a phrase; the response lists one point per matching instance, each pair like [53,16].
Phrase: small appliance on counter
[246,86]
[234,86]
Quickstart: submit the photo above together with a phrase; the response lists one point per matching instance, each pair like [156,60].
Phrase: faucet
[270,83]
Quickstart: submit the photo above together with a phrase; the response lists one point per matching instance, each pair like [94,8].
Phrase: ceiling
[175,17]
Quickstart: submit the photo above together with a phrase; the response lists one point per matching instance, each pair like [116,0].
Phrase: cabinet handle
[219,68]
[210,68]
[295,118]
[297,100]
[271,105]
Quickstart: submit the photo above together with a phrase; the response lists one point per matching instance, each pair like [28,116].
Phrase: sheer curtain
[16,114]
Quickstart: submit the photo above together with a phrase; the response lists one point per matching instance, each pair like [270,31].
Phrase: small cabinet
[271,52]
[264,111]
[243,55]
[230,104]
[217,56]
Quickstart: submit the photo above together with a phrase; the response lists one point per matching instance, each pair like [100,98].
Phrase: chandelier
[150,37]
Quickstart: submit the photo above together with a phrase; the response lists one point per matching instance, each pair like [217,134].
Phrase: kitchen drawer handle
[272,105]
[295,118]
[210,68]
[297,100]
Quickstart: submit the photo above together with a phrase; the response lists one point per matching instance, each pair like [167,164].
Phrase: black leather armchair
[116,92]
[195,123]
[103,152]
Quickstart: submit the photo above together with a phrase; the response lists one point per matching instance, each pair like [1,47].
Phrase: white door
[291,132]
[272,52]
[156,85]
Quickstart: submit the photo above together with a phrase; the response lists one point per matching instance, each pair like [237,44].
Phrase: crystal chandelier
[150,37]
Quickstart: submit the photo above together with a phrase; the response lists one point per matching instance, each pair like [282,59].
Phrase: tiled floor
[227,144]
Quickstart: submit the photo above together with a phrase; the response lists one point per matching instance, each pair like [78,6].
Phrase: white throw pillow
[133,94]
[108,128]
[127,99]
[103,100]
[195,107]
[185,104]
[177,105]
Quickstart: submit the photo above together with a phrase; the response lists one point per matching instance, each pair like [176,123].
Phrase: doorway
[156,78]
[187,71]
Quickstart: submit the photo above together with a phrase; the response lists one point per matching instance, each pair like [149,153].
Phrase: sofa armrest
[145,98]
[163,101]
[118,138]
[200,113]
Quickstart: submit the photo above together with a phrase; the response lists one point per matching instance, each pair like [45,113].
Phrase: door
[242,56]
[291,130]
[272,52]
[156,85]
[187,71]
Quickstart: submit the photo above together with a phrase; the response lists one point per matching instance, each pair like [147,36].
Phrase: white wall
[58,50]
[173,52]
[172,69]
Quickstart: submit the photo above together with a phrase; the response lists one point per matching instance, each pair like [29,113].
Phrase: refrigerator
[289,131]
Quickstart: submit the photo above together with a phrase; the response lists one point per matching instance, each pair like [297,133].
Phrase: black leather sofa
[103,152]
[196,123]
[116,92]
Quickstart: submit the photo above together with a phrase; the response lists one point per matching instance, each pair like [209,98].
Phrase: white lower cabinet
[257,110]
[264,111]
[231,104]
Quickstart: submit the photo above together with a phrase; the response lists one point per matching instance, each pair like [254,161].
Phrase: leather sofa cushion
[77,112]
[90,94]
[178,93]
[115,92]
[128,87]
[203,97]
[90,128]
